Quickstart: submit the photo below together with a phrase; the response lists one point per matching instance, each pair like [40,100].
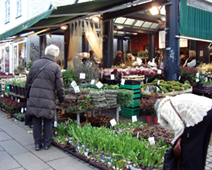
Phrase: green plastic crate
[7,87]
[128,112]
[137,95]
[135,103]
[130,87]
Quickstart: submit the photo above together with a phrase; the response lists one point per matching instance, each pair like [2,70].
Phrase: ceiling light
[95,18]
[64,27]
[48,36]
[120,27]
[154,10]
[163,18]
[135,33]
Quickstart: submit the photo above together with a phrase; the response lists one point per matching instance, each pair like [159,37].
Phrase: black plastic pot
[11,87]
[199,86]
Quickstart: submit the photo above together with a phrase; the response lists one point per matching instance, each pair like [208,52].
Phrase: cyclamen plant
[147,105]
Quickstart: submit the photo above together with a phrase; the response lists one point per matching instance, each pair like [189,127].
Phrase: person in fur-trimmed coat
[194,123]
[41,103]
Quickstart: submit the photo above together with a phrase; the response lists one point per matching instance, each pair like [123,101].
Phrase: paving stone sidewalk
[17,151]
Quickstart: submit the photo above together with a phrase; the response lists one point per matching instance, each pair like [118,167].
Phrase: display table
[12,94]
[92,110]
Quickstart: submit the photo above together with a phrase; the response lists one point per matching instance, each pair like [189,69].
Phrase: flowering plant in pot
[147,105]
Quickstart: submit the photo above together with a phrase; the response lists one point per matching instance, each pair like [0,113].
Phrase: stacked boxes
[134,108]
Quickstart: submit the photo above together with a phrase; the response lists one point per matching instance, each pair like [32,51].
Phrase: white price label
[159,72]
[25,109]
[179,77]
[76,89]
[73,84]
[151,140]
[158,82]
[99,85]
[197,74]
[19,74]
[113,122]
[203,71]
[206,79]
[197,79]
[55,123]
[2,95]
[22,110]
[18,100]
[146,79]
[112,77]
[6,94]
[92,81]
[137,134]
[122,81]
[134,119]
[6,73]
[11,97]
[82,75]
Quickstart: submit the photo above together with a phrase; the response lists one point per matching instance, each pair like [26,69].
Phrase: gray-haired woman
[41,102]
[189,116]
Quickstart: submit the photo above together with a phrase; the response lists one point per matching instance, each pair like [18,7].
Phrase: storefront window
[2,61]
[7,59]
[15,57]
[21,56]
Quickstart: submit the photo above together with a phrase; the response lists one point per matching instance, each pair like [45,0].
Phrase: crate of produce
[131,84]
[128,112]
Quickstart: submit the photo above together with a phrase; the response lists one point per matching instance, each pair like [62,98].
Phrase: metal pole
[172,43]
[151,46]
[108,44]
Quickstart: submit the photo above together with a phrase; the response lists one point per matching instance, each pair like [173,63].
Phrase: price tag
[134,119]
[73,84]
[99,85]
[6,73]
[11,97]
[55,123]
[197,79]
[2,95]
[197,74]
[20,74]
[179,77]
[122,81]
[146,79]
[25,109]
[92,81]
[137,134]
[206,79]
[76,89]
[159,72]
[22,110]
[82,75]
[158,82]
[112,77]
[113,122]
[18,100]
[6,94]
[203,71]
[151,140]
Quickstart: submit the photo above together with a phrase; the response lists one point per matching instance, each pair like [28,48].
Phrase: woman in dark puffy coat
[41,103]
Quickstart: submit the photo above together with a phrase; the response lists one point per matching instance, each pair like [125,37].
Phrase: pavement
[17,151]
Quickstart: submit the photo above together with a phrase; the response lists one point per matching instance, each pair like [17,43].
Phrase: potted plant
[147,105]
[188,73]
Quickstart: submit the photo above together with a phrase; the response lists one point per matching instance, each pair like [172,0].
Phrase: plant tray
[130,87]
[127,112]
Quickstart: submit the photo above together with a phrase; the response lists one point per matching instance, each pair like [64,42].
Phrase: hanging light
[64,27]
[95,18]
[48,36]
[154,10]
[120,27]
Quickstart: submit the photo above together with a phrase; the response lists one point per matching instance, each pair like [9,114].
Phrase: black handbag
[26,95]
[170,161]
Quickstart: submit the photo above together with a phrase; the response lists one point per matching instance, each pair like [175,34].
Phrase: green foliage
[125,97]
[188,73]
[28,65]
[90,69]
[68,76]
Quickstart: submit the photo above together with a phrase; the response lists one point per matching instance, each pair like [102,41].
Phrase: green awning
[194,22]
[25,25]
[44,20]
[85,7]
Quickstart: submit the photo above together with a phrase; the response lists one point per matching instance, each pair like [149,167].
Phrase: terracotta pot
[155,120]
[148,119]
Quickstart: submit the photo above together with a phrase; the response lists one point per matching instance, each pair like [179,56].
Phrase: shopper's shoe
[38,147]
[46,147]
